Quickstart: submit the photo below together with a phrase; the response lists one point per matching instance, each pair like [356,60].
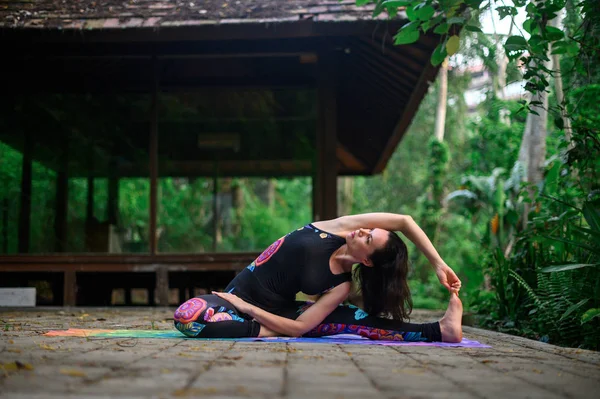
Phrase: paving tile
[62,367]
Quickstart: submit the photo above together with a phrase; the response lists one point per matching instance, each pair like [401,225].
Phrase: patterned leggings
[209,316]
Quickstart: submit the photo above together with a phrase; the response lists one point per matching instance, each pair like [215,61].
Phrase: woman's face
[363,242]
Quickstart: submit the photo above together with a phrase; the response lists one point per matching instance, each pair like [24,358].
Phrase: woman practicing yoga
[318,259]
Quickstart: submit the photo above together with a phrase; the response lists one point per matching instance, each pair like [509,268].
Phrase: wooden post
[325,182]
[69,288]
[162,285]
[127,291]
[215,209]
[153,159]
[25,210]
[5,225]
[162,274]
[89,214]
[62,199]
[317,208]
[112,208]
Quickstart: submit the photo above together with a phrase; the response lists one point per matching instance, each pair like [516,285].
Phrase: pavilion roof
[118,14]
[276,48]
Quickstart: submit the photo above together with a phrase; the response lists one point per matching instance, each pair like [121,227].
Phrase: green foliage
[494,143]
[545,276]
[10,181]
[563,300]
[439,157]
[427,295]
[582,104]
[446,18]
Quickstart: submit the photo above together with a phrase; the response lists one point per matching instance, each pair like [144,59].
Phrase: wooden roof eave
[426,77]
[200,31]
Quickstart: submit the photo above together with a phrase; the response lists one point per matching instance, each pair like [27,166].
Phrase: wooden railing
[71,264]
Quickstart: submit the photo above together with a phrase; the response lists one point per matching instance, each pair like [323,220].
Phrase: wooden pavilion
[341,95]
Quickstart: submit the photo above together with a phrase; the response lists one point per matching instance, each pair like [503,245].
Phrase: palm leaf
[585,230]
[461,194]
[592,215]
[575,243]
[573,308]
[562,268]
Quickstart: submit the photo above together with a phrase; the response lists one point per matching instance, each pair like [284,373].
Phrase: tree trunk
[502,62]
[533,148]
[440,115]
[345,197]
[532,153]
[560,96]
[271,193]
[222,210]
[265,190]
[237,202]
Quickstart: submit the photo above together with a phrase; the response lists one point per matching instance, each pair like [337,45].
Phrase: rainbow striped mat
[172,334]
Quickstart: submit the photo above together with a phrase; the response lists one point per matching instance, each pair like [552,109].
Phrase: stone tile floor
[35,366]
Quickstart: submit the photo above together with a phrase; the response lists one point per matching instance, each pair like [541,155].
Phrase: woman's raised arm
[375,220]
[396,222]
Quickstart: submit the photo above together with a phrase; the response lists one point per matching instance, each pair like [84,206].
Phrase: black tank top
[297,262]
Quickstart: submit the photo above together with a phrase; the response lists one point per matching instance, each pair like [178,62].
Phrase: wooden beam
[226,168]
[303,57]
[85,85]
[108,267]
[277,47]
[162,285]
[245,30]
[349,160]
[25,209]
[112,208]
[215,204]
[70,288]
[317,205]
[162,274]
[146,262]
[327,136]
[5,205]
[62,198]
[153,150]
[89,211]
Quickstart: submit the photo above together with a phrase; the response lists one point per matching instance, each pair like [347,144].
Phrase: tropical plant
[564,292]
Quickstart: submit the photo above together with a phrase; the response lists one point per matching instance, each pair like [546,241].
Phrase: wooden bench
[159,265]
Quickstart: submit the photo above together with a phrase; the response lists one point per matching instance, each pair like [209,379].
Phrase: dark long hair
[384,286]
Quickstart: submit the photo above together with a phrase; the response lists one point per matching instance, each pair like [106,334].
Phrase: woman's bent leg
[348,319]
[209,316]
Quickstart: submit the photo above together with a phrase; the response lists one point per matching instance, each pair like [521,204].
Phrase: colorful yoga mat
[333,339]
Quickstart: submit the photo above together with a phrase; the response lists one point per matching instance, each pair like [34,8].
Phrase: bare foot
[450,325]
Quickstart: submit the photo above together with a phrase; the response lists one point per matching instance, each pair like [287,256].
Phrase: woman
[317,259]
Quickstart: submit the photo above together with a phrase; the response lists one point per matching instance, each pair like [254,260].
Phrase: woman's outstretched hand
[237,303]
[448,278]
